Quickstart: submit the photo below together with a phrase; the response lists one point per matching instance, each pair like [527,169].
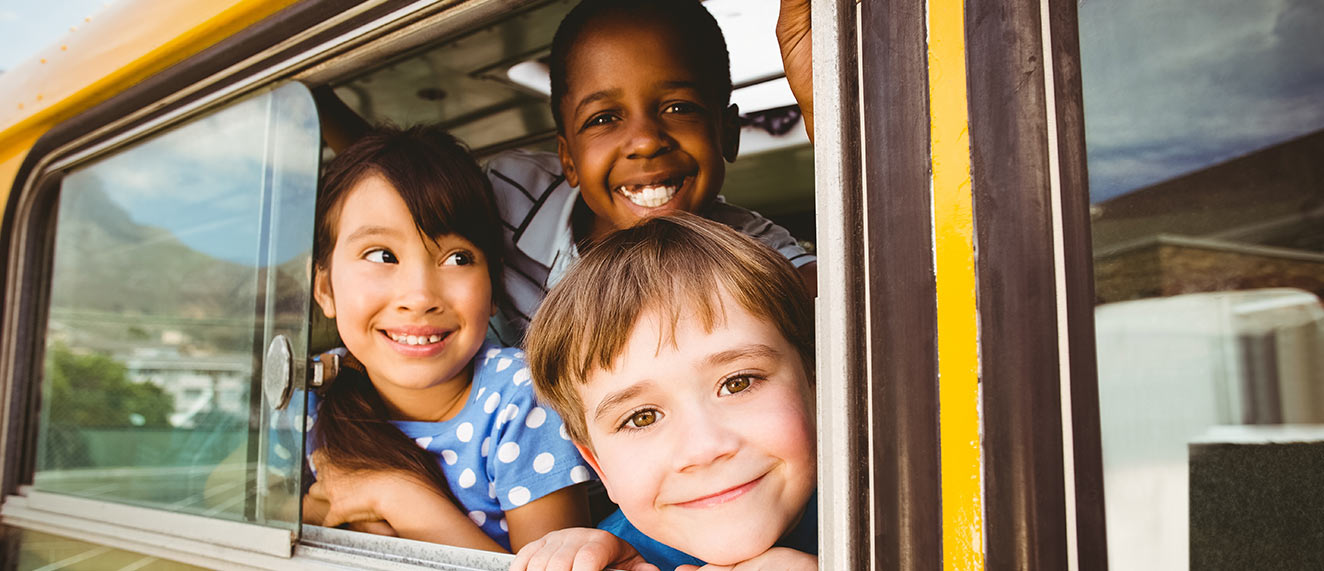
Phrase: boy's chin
[734,543]
[730,550]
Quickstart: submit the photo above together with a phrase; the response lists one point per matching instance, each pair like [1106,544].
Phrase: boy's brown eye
[642,418]
[597,120]
[735,385]
[682,108]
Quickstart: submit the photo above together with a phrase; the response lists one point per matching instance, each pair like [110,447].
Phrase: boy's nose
[703,440]
[648,138]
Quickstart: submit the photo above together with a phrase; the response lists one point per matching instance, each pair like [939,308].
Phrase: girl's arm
[411,508]
[564,508]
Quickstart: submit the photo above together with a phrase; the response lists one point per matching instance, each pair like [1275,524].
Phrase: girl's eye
[641,419]
[381,256]
[460,258]
[735,384]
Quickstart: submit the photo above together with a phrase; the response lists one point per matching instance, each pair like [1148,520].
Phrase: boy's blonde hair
[670,264]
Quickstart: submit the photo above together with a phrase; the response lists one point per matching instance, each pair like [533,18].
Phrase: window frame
[870,363]
[298,40]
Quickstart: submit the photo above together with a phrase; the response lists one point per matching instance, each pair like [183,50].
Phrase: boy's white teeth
[414,339]
[650,196]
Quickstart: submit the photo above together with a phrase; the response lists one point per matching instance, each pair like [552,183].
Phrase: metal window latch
[323,368]
[278,372]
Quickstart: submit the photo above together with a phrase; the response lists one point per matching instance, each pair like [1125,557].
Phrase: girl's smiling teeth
[414,339]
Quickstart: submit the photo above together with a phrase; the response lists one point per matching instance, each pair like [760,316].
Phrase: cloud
[1172,87]
[204,180]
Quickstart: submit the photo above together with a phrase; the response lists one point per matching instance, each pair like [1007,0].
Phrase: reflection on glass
[1205,132]
[175,262]
[42,551]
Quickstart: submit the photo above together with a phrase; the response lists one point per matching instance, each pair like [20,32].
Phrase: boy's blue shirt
[803,537]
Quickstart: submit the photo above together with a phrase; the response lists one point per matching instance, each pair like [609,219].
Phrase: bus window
[178,258]
[490,87]
[1205,128]
[178,262]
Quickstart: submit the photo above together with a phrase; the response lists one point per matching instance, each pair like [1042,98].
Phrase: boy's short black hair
[694,22]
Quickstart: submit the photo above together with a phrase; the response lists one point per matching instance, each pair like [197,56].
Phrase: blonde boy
[679,352]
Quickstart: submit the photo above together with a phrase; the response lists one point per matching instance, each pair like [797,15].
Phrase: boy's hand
[579,549]
[795,38]
[775,559]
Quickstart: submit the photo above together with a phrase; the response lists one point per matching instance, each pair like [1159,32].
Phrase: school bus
[1068,306]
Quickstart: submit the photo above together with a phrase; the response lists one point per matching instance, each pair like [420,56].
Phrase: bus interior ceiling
[489,87]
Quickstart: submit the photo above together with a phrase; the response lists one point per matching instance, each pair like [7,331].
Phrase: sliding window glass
[1205,134]
[181,268]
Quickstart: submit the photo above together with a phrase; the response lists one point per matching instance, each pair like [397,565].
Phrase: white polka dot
[536,417]
[564,435]
[492,352]
[308,422]
[544,462]
[478,396]
[275,422]
[449,456]
[423,441]
[486,447]
[478,517]
[503,364]
[508,452]
[519,354]
[519,495]
[467,478]
[508,415]
[465,432]
[281,451]
[491,490]
[578,474]
[502,523]
[522,376]
[492,401]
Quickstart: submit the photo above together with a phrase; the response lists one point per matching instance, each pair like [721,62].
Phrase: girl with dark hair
[439,429]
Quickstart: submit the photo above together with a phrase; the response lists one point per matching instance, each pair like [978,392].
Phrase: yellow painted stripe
[106,54]
[958,349]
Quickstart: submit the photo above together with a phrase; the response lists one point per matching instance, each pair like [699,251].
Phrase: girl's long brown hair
[446,193]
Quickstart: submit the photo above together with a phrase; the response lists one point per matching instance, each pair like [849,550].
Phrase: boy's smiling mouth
[654,194]
[723,496]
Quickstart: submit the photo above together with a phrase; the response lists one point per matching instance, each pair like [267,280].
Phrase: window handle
[322,369]
[278,372]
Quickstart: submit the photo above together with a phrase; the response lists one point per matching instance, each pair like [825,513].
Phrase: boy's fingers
[590,558]
[521,562]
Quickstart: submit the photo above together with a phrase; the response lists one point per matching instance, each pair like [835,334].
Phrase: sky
[27,26]
[1179,85]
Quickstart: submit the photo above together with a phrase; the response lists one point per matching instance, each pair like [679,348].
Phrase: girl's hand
[795,38]
[579,549]
[775,559]
[390,503]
